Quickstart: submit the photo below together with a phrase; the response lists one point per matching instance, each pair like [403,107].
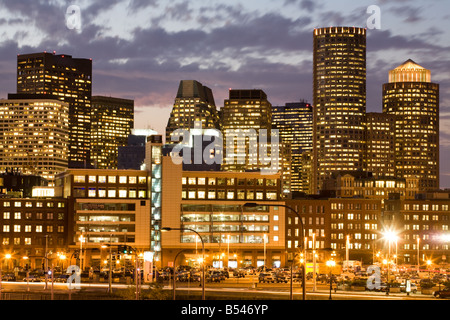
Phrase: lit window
[102,193]
[79,179]
[123,179]
[92,192]
[122,193]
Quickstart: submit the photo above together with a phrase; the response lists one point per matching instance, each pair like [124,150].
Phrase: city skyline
[273,51]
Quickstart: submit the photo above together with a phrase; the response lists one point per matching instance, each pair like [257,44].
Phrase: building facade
[380,146]
[422,229]
[112,121]
[106,207]
[214,205]
[33,228]
[244,117]
[414,99]
[339,101]
[295,124]
[69,80]
[34,135]
[193,103]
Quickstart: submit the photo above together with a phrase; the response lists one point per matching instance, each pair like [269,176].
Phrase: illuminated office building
[414,99]
[34,135]
[111,123]
[244,115]
[193,103]
[295,124]
[380,148]
[339,101]
[69,80]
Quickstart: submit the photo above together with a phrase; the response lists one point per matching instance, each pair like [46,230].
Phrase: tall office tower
[70,80]
[34,135]
[295,124]
[247,112]
[194,103]
[112,120]
[339,101]
[380,149]
[414,99]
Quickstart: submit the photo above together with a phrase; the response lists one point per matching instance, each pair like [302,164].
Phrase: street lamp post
[390,236]
[254,205]
[203,254]
[331,264]
[7,257]
[418,254]
[174,277]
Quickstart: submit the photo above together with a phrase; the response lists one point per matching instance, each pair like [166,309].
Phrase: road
[245,289]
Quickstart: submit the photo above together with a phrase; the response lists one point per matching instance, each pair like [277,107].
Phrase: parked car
[297,277]
[62,278]
[413,287]
[266,277]
[445,293]
[32,278]
[282,277]
[213,277]
[9,277]
[239,273]
[196,277]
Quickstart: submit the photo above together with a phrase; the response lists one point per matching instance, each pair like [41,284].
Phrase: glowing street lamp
[391,237]
[331,264]
[203,253]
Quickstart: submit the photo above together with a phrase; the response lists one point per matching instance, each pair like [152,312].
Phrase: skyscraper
[380,148]
[414,99]
[193,103]
[339,101]
[247,111]
[112,120]
[34,135]
[70,80]
[295,124]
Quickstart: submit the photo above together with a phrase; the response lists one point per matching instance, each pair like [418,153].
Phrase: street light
[331,264]
[390,236]
[254,205]
[174,277]
[203,253]
[7,257]
[82,239]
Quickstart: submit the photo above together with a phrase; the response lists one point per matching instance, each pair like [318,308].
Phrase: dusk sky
[141,49]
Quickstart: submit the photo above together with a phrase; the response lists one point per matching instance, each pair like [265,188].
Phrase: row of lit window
[29,204]
[29,216]
[110,193]
[228,182]
[111,179]
[228,195]
[28,241]
[425,227]
[426,207]
[357,226]
[28,228]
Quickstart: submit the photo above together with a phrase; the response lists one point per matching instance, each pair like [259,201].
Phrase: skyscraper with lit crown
[414,99]
[339,101]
